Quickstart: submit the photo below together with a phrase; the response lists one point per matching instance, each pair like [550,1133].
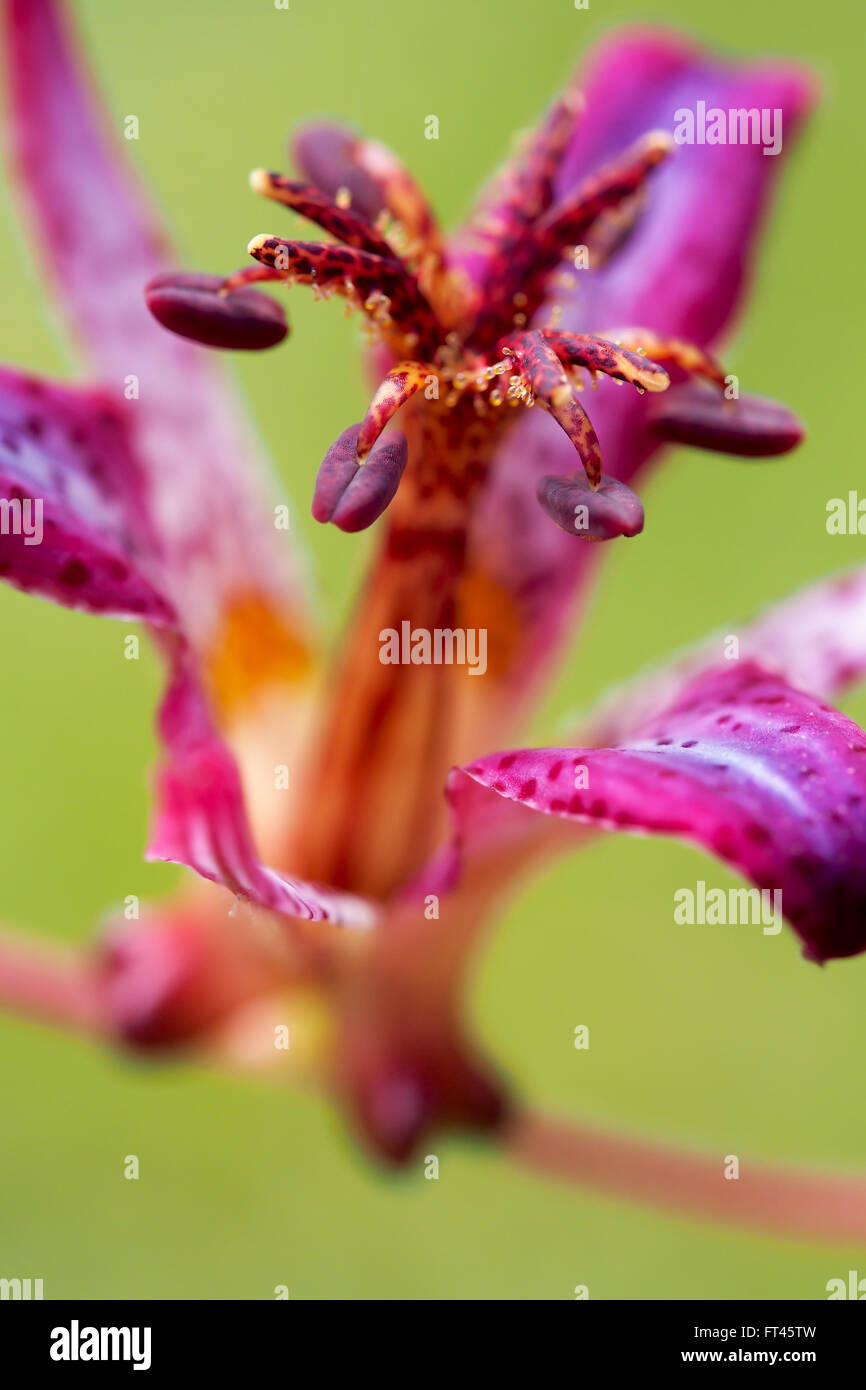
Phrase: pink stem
[812,1205]
[51,983]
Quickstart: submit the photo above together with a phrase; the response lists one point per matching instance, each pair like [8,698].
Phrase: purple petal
[601,515]
[750,427]
[71,518]
[192,306]
[354,495]
[201,820]
[100,245]
[766,777]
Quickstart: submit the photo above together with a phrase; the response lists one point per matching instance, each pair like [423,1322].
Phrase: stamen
[401,382]
[535,256]
[600,355]
[750,427]
[545,376]
[526,189]
[250,275]
[678,353]
[358,275]
[353,495]
[569,221]
[196,306]
[401,194]
[347,226]
[601,515]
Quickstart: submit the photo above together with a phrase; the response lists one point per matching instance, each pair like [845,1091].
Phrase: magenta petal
[201,820]
[71,511]
[99,243]
[750,427]
[601,515]
[354,495]
[769,779]
[192,306]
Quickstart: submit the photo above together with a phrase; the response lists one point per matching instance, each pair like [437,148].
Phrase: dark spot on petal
[758,834]
[73,574]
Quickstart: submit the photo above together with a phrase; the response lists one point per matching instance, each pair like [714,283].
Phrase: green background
[721,1038]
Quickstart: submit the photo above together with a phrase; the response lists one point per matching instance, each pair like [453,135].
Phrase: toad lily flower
[363,898]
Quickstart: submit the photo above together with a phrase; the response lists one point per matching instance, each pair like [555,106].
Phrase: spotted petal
[71,521]
[771,780]
[100,244]
[201,819]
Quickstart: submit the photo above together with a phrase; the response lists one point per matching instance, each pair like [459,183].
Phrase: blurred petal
[100,244]
[201,819]
[71,525]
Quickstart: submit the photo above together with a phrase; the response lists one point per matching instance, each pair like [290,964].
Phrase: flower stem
[820,1206]
[52,983]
